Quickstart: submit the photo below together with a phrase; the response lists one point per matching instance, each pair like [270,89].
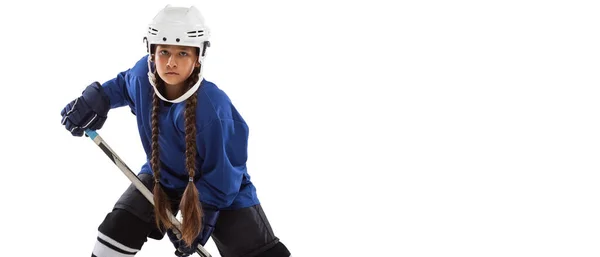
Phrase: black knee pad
[279,250]
[125,228]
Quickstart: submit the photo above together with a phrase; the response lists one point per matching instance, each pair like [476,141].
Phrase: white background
[428,128]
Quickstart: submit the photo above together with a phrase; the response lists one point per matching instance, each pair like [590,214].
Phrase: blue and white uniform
[232,213]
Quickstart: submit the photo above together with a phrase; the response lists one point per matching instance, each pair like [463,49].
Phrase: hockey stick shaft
[137,182]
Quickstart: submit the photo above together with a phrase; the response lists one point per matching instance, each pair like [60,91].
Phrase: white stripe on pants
[108,247]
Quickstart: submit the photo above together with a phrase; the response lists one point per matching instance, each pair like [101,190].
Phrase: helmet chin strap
[183,97]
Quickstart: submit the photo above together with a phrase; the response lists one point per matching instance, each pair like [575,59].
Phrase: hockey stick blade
[137,182]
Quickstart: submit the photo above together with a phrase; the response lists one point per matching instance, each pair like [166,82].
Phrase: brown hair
[190,207]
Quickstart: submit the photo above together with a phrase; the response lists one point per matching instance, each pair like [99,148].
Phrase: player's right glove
[88,111]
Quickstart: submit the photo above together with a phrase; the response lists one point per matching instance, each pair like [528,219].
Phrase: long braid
[160,197]
[191,211]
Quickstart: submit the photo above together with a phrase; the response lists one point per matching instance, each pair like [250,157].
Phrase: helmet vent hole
[177,40]
[152,31]
[164,39]
[195,33]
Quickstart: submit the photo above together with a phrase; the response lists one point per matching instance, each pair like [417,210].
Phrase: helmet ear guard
[205,46]
[178,26]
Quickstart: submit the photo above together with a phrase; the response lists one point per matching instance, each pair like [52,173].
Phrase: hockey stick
[138,183]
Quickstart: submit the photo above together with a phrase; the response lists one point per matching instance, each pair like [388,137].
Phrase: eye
[183,53]
[164,52]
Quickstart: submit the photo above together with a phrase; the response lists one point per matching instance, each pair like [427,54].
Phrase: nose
[171,63]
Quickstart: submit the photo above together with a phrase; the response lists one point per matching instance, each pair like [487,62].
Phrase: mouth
[172,73]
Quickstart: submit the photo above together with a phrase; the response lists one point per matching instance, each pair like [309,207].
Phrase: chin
[170,81]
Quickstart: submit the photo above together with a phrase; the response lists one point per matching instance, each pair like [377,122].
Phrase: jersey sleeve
[223,147]
[117,90]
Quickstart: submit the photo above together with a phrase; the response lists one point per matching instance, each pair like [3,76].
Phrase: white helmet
[178,26]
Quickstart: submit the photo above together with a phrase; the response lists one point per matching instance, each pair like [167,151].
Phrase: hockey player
[196,146]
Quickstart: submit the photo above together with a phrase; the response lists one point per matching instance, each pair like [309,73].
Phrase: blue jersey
[222,138]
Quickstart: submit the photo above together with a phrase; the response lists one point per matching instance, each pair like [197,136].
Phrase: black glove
[208,226]
[87,111]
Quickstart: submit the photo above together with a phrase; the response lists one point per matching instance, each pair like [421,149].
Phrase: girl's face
[175,64]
